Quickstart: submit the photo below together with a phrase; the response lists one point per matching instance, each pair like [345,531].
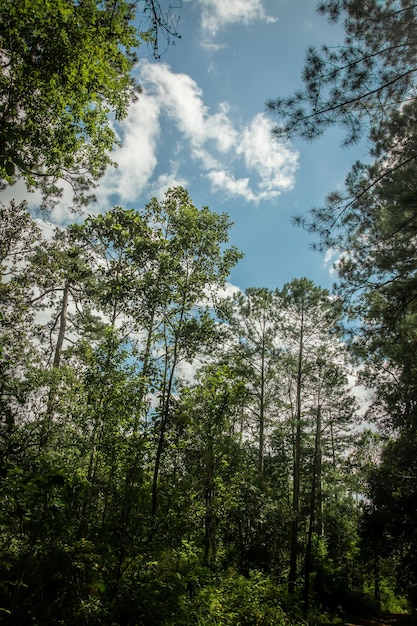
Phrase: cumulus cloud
[274,162]
[165,182]
[137,158]
[181,99]
[223,180]
[237,160]
[217,13]
[228,291]
[18,192]
[214,140]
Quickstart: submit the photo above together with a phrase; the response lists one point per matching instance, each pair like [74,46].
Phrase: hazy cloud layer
[244,161]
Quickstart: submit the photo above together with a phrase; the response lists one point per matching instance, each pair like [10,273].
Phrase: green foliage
[66,65]
[359,82]
[231,599]
[368,85]
[375,234]
[132,493]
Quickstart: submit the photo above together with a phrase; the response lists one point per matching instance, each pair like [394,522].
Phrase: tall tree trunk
[127,502]
[145,365]
[209,520]
[52,395]
[166,398]
[315,504]
[62,325]
[377,589]
[297,467]
[262,418]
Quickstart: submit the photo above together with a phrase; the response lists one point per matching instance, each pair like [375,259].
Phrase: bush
[230,599]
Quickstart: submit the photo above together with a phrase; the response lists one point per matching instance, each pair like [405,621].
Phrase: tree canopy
[359,83]
[170,455]
[65,68]
[367,85]
[157,441]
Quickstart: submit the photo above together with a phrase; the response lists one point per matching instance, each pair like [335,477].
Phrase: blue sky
[201,122]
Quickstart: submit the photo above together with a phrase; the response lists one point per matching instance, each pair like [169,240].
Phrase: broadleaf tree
[66,66]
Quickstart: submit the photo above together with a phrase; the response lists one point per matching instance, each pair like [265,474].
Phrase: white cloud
[330,260]
[274,162]
[363,395]
[165,182]
[228,290]
[212,47]
[219,146]
[136,159]
[136,162]
[218,13]
[61,213]
[182,100]
[236,160]
[222,180]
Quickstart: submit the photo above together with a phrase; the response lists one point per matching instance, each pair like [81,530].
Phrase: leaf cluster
[359,83]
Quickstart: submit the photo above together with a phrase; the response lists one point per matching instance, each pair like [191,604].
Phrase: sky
[201,122]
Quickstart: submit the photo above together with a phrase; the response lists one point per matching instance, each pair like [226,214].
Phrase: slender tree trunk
[333,446]
[377,589]
[128,504]
[99,408]
[145,366]
[161,440]
[320,527]
[164,419]
[262,418]
[297,468]
[315,503]
[125,513]
[209,522]
[52,395]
